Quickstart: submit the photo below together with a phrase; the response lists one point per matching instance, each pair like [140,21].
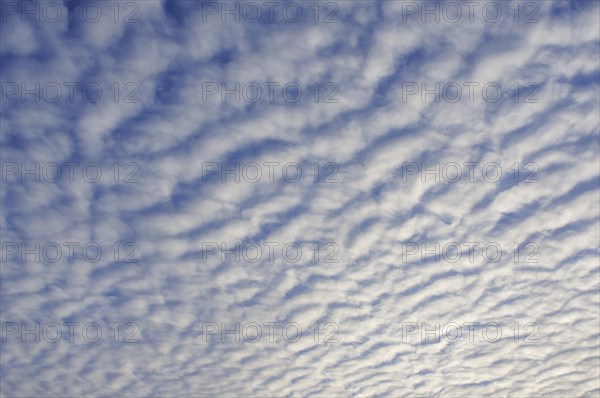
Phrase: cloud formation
[431,167]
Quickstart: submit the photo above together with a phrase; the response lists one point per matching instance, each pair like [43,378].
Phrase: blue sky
[393,105]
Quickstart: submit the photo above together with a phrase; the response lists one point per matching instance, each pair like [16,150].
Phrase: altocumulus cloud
[336,198]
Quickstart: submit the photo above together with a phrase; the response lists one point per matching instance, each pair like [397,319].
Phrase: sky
[300,199]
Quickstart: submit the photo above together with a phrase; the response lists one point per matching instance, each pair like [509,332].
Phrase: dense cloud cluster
[429,173]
